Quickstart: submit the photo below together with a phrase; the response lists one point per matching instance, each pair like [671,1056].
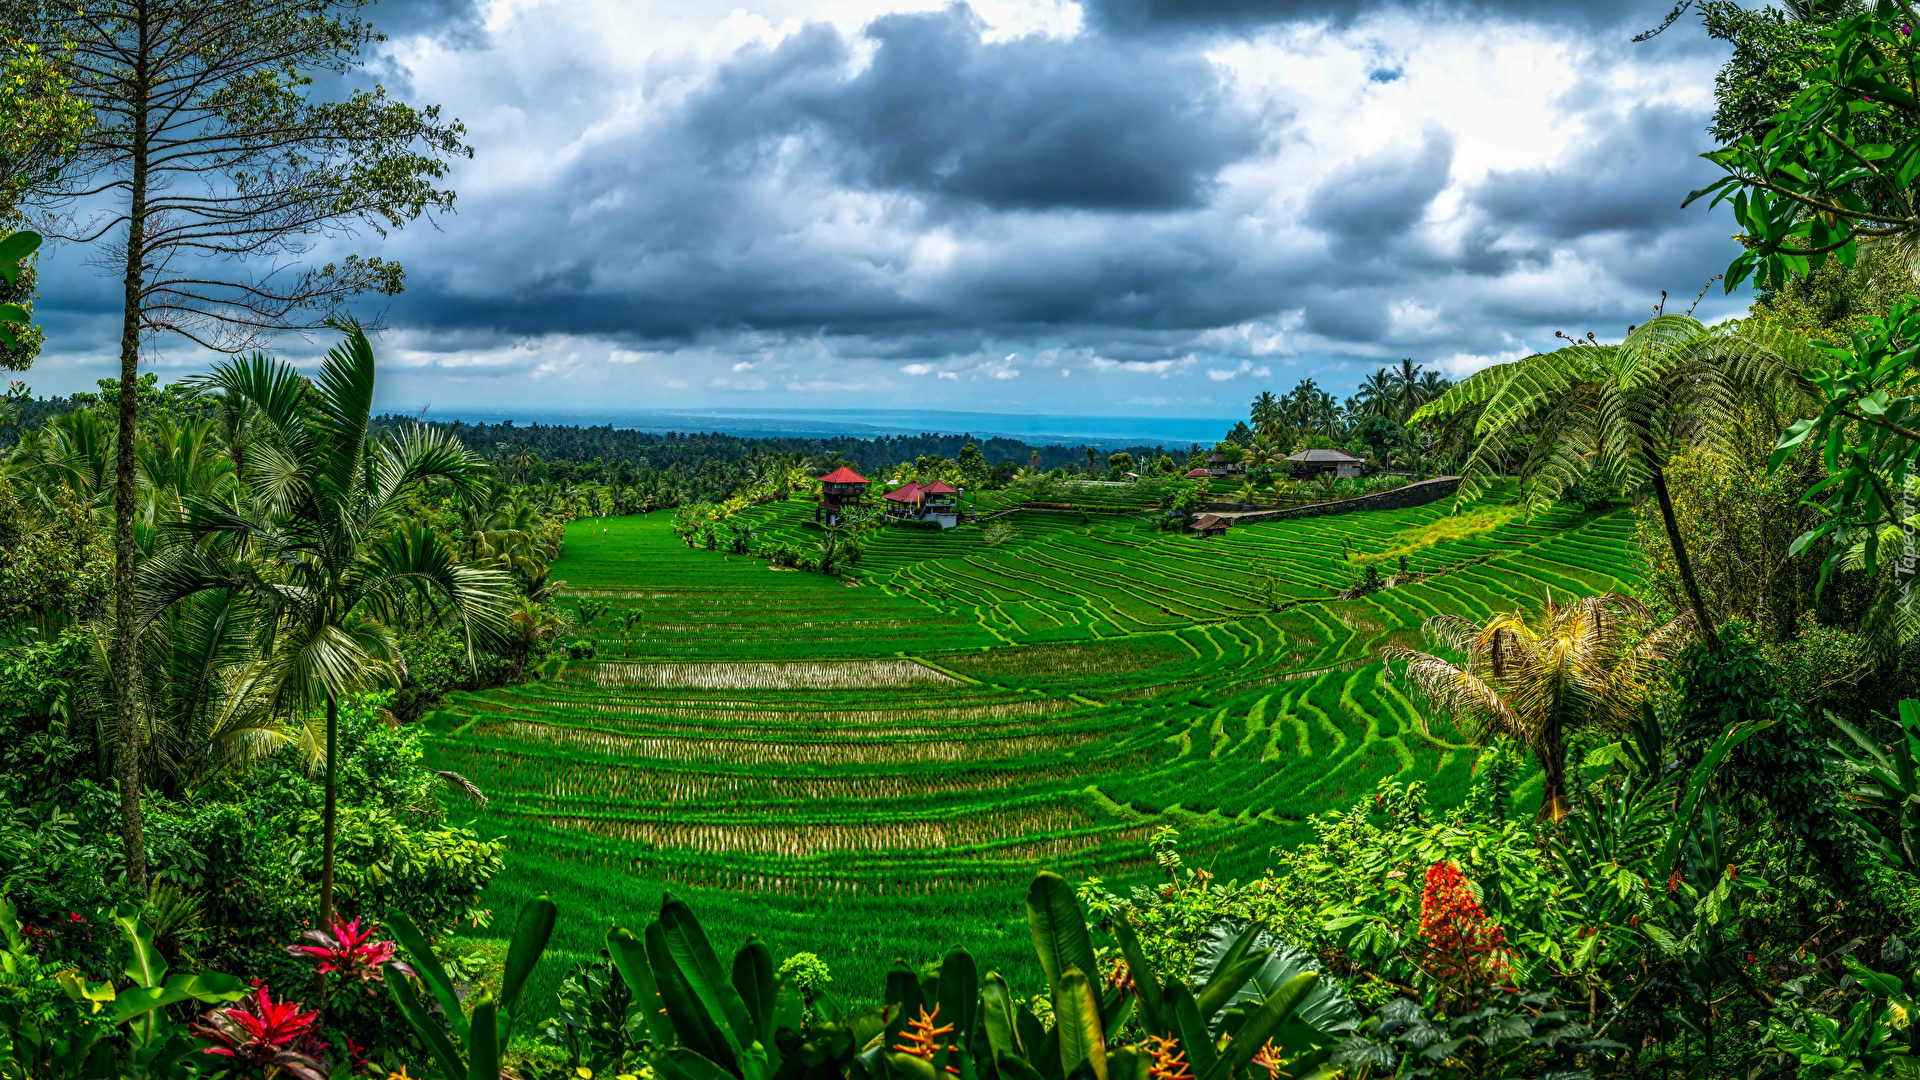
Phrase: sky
[1105,207]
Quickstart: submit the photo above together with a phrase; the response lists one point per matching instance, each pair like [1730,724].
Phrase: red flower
[1464,948]
[349,950]
[274,1037]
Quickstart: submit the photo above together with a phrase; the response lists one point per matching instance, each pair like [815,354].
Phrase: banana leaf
[1076,1020]
[1059,927]
[1326,1008]
[693,1027]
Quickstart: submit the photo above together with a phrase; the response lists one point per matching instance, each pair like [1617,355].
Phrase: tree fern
[1620,410]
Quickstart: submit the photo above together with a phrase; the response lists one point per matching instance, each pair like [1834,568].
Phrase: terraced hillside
[913,743]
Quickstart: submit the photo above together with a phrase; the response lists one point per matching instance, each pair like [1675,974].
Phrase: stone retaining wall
[1399,498]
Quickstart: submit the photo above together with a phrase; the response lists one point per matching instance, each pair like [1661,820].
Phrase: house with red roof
[840,491]
[938,502]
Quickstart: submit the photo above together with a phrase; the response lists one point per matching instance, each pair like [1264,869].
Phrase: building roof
[1197,472]
[1337,456]
[1209,521]
[843,475]
[906,493]
[940,487]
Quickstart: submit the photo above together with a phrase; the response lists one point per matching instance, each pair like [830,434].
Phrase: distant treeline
[691,464]
[688,450]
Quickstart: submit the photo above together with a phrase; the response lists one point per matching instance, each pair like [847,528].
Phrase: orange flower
[922,1039]
[1269,1059]
[1169,1061]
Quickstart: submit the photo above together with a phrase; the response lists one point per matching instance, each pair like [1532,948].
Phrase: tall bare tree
[213,169]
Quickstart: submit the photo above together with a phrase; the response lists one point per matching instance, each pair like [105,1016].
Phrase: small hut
[1197,474]
[1338,462]
[840,490]
[1210,525]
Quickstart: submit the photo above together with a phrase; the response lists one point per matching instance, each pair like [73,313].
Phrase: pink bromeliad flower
[266,1037]
[350,950]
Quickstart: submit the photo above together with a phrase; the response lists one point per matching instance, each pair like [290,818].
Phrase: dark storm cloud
[1380,197]
[1153,16]
[919,192]
[1631,178]
[1031,123]
[454,22]
[708,221]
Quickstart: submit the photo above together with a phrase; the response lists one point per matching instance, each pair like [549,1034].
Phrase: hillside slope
[911,745]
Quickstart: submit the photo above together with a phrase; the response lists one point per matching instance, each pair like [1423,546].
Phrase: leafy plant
[15,249]
[1887,781]
[1513,1035]
[56,1022]
[469,1046]
[1869,445]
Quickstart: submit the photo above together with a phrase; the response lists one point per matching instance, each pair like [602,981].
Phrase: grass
[875,768]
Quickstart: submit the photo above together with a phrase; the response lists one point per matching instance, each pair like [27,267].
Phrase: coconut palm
[1300,403]
[323,546]
[1379,395]
[1406,390]
[1329,416]
[1622,411]
[500,530]
[1589,663]
[1268,413]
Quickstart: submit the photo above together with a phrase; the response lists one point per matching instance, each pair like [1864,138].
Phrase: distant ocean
[1039,429]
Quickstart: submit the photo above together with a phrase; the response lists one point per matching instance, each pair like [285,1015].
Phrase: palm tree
[528,626]
[1432,385]
[1267,412]
[202,708]
[1592,662]
[1623,411]
[498,530]
[323,546]
[1328,415]
[1300,403]
[1406,389]
[1379,395]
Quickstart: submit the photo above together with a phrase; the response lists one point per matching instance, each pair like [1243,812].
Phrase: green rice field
[875,767]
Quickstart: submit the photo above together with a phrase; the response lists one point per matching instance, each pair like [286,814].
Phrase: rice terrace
[916,740]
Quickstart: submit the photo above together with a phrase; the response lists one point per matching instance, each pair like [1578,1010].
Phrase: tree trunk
[1553,763]
[327,815]
[126,711]
[1684,564]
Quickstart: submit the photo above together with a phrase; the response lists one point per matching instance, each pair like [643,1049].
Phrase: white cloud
[597,211]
